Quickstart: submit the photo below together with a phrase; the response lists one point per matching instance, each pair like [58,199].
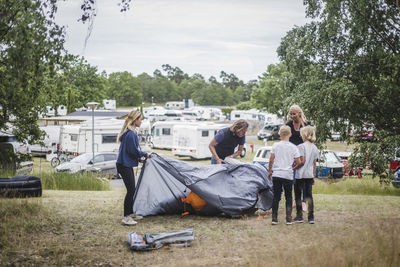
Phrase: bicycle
[60,158]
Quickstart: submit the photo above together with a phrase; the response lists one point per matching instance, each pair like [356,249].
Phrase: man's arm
[211,146]
[238,152]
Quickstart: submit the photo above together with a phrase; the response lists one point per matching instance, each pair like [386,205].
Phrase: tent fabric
[231,189]
[146,242]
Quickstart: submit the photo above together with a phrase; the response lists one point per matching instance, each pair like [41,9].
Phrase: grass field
[357,224]
[83,229]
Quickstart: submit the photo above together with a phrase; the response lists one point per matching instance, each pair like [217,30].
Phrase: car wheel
[243,154]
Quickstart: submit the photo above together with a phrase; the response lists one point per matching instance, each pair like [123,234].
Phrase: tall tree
[346,65]
[31,44]
[275,87]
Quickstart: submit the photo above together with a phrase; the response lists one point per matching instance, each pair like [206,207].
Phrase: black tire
[55,162]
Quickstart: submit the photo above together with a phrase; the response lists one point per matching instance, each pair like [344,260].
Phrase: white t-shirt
[311,153]
[285,153]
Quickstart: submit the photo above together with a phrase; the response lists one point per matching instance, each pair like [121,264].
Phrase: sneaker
[289,223]
[128,221]
[298,220]
[311,221]
[274,222]
[135,216]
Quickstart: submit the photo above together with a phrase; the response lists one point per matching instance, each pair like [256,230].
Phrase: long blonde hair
[130,120]
[303,118]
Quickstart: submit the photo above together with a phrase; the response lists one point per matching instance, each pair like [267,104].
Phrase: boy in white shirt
[305,174]
[280,169]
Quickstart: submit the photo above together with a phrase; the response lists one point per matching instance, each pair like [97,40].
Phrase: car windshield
[84,158]
[269,127]
[330,156]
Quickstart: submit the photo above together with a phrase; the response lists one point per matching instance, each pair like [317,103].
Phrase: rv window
[258,154]
[237,115]
[166,131]
[204,133]
[157,132]
[74,137]
[108,138]
[254,116]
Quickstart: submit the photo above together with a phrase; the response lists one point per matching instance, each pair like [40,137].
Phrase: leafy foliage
[345,65]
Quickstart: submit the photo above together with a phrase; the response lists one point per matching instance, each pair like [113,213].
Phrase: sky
[198,36]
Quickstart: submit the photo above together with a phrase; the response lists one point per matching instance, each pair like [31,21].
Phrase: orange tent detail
[195,201]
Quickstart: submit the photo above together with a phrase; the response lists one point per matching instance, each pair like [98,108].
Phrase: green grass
[74,181]
[355,186]
[65,228]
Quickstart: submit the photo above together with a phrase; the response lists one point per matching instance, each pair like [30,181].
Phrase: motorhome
[175,105]
[51,140]
[110,104]
[192,139]
[161,133]
[78,138]
[174,115]
[248,115]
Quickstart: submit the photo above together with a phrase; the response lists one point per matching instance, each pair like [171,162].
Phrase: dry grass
[83,229]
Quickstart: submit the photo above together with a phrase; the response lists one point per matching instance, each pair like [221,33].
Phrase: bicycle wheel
[55,162]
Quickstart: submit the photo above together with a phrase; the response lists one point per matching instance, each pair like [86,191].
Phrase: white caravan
[51,140]
[248,115]
[78,138]
[192,139]
[161,133]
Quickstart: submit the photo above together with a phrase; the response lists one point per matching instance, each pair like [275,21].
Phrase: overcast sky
[198,36]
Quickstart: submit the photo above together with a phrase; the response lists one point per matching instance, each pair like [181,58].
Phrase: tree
[125,89]
[274,89]
[346,66]
[31,45]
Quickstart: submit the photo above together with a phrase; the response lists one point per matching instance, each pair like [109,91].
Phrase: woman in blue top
[128,157]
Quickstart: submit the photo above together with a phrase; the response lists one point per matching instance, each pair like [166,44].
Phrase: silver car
[103,163]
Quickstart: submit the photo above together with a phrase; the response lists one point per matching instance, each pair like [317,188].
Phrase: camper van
[51,140]
[248,115]
[192,139]
[161,133]
[78,138]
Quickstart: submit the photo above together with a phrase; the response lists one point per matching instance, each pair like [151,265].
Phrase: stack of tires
[21,186]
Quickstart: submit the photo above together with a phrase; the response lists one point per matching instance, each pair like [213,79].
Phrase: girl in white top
[306,173]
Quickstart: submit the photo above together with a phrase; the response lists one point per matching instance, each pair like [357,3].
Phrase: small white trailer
[161,133]
[51,140]
[192,139]
[78,138]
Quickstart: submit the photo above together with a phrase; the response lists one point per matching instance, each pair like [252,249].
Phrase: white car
[262,156]
[103,163]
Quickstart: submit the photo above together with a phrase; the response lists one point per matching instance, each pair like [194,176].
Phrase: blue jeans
[304,185]
[280,184]
[213,161]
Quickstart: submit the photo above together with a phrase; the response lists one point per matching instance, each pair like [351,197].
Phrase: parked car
[262,156]
[396,180]
[395,163]
[10,145]
[344,158]
[329,165]
[367,133]
[269,132]
[103,163]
